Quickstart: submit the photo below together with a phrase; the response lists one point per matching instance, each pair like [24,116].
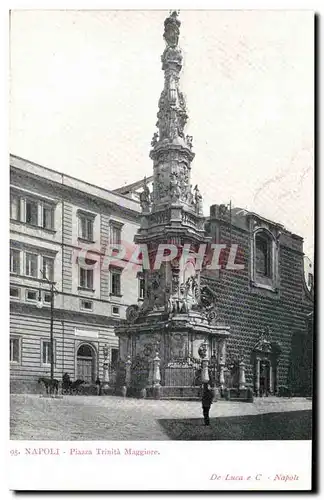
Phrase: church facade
[266,302]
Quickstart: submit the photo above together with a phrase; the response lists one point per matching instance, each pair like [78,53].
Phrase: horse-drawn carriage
[68,386]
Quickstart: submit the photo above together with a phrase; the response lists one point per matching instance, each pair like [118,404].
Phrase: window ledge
[115,294]
[84,289]
[34,226]
[15,362]
[257,284]
[85,240]
[33,278]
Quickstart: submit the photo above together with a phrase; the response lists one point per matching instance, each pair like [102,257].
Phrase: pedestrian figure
[206,400]
[98,384]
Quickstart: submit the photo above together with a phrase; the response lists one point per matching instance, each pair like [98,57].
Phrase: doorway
[264,382]
[86,363]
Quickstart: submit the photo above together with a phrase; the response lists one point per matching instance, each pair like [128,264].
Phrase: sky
[84,90]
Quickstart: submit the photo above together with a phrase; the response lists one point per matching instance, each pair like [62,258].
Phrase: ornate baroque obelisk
[177,322]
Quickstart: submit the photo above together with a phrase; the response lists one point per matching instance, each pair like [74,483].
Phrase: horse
[51,386]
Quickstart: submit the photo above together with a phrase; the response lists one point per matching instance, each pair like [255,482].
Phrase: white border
[23,471]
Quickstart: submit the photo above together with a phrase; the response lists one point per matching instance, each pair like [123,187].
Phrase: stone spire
[176,314]
[172,150]
[172,115]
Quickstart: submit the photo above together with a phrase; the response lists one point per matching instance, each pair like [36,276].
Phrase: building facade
[61,231]
[265,300]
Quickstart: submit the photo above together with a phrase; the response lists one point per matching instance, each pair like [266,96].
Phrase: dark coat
[207,398]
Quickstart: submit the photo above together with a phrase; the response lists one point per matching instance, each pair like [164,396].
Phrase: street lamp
[40,304]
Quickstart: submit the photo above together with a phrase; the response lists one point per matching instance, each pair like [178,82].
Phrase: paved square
[115,418]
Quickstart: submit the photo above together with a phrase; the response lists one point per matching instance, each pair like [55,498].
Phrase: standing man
[98,384]
[207,399]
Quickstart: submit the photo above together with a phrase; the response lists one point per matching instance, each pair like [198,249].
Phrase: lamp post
[40,305]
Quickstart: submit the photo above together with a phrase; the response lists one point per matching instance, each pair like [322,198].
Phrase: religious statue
[171,29]
[189,196]
[198,200]
[182,101]
[182,120]
[175,190]
[145,197]
[189,141]
[183,189]
[154,139]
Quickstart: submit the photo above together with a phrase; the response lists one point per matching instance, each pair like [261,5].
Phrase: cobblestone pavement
[114,418]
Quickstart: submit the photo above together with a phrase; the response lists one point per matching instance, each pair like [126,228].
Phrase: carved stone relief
[178,345]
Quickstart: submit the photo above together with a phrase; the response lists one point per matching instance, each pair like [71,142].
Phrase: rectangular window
[115,234]
[14,292]
[85,228]
[46,352]
[141,288]
[116,283]
[14,207]
[31,295]
[263,254]
[14,350]
[48,268]
[31,264]
[14,261]
[87,305]
[48,216]
[32,212]
[47,297]
[86,278]
[115,310]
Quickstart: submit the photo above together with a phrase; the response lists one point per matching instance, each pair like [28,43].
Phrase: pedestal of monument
[177,340]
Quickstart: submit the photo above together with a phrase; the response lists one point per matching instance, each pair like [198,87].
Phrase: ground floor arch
[86,363]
